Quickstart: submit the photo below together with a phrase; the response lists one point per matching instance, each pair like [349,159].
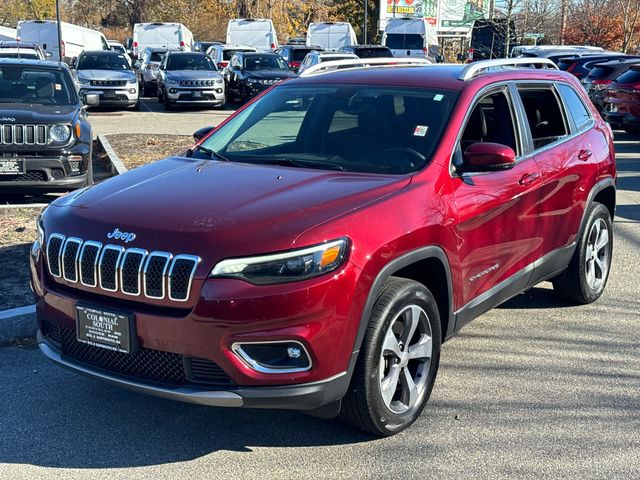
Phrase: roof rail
[359,63]
[473,69]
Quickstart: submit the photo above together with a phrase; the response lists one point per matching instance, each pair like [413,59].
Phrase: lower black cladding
[147,364]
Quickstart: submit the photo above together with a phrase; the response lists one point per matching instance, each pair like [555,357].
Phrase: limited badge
[420,131]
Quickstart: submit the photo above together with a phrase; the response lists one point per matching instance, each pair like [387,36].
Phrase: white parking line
[16,312]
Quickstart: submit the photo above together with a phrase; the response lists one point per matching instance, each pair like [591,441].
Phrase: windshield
[354,128]
[157,56]
[118,48]
[21,54]
[40,86]
[405,41]
[265,62]
[189,61]
[102,61]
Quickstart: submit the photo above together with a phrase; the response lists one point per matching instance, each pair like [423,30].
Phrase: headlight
[219,80]
[292,266]
[252,80]
[132,80]
[59,133]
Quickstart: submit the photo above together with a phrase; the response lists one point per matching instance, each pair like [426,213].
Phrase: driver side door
[497,210]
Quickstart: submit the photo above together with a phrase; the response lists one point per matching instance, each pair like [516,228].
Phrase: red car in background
[315,250]
[622,102]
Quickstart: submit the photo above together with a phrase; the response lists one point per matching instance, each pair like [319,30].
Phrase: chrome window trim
[69,240]
[196,261]
[62,239]
[118,249]
[168,256]
[140,251]
[90,243]
[236,348]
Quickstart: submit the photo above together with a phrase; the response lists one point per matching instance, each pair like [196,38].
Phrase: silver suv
[190,78]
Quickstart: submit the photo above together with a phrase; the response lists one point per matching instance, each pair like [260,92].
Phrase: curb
[16,323]
[117,167]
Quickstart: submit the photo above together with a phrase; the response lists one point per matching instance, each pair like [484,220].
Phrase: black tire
[364,406]
[574,285]
[136,107]
[166,102]
[89,181]
[144,90]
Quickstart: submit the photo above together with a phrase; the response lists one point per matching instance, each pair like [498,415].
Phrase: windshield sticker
[58,86]
[438,97]
[420,131]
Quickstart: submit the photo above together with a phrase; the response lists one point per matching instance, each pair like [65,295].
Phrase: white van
[161,35]
[331,36]
[411,37]
[254,32]
[8,34]
[75,39]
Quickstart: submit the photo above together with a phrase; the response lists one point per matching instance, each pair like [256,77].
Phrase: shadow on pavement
[14,277]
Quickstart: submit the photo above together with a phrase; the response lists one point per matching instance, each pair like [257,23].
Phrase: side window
[491,121]
[544,115]
[575,107]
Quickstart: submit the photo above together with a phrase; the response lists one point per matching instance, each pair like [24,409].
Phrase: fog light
[218,90]
[172,90]
[74,162]
[132,90]
[286,356]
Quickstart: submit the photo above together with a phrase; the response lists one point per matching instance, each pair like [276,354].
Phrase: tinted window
[352,127]
[156,56]
[101,61]
[23,54]
[600,72]
[630,76]
[405,41]
[227,54]
[34,85]
[265,62]
[189,61]
[544,115]
[576,108]
[373,52]
[298,54]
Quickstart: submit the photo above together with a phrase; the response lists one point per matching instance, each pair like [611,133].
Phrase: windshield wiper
[290,162]
[211,153]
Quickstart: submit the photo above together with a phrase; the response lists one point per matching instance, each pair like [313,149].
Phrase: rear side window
[575,107]
[599,72]
[630,76]
[544,115]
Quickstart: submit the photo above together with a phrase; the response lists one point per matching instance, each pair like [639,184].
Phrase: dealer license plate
[12,166]
[105,329]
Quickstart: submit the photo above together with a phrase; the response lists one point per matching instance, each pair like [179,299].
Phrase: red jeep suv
[315,250]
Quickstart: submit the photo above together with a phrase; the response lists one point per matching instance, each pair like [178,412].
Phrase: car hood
[215,209]
[193,75]
[30,113]
[270,74]
[106,75]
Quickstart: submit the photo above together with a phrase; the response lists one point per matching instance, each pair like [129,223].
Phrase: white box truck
[75,39]
[253,32]
[8,34]
[331,36]
[174,36]
[411,37]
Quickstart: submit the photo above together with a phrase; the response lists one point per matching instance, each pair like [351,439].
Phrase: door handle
[584,155]
[528,178]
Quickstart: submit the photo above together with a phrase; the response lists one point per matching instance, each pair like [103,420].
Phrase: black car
[581,66]
[249,74]
[294,54]
[604,74]
[45,138]
[368,51]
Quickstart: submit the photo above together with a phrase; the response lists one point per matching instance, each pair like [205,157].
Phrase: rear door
[497,225]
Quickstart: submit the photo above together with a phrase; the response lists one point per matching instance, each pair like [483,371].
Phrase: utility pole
[366,20]
[59,30]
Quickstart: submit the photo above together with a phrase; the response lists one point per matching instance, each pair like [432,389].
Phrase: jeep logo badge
[7,119]
[126,237]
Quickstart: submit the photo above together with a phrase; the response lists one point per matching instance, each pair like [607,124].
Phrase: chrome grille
[108,83]
[23,134]
[197,83]
[113,268]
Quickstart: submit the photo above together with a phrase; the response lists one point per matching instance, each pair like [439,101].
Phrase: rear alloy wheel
[584,280]
[398,360]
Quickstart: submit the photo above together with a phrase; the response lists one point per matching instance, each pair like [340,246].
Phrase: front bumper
[190,95]
[49,173]
[308,396]
[116,96]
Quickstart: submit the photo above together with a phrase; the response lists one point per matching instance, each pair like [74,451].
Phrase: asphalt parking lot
[533,389]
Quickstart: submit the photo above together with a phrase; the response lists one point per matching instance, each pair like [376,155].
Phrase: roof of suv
[34,62]
[436,76]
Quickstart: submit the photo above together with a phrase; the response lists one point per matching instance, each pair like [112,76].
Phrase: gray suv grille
[113,268]
[23,134]
[108,83]
[197,83]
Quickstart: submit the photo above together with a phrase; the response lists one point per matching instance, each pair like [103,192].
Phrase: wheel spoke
[595,232]
[389,383]
[412,320]
[602,240]
[422,349]
[409,389]
[591,274]
[391,344]
[601,266]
